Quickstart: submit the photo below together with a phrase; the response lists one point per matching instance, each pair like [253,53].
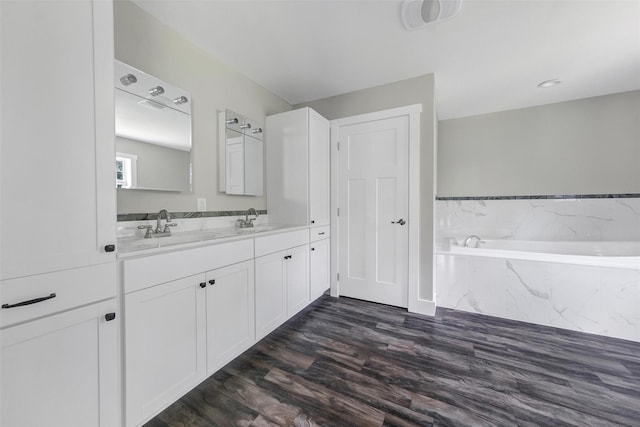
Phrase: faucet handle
[169,224]
[148,234]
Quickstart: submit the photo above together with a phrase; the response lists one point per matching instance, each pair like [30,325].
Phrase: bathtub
[586,286]
[594,253]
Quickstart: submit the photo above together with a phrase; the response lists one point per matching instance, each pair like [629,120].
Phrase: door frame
[412,112]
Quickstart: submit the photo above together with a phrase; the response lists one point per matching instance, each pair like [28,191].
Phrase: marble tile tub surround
[594,217]
[127,224]
[598,300]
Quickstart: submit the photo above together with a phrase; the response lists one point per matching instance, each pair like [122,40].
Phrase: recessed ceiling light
[550,83]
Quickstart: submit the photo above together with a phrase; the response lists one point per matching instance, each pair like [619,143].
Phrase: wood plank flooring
[344,362]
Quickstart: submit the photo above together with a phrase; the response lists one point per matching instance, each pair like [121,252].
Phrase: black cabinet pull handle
[31,301]
[212,281]
[400,221]
[313,222]
[203,284]
[321,233]
[110,248]
[109,317]
[287,257]
[313,249]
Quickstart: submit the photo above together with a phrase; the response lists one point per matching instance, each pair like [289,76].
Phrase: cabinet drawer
[278,242]
[72,288]
[149,271]
[319,233]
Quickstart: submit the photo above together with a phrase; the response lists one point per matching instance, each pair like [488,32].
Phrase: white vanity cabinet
[187,313]
[282,279]
[319,259]
[57,136]
[271,296]
[297,279]
[59,362]
[62,370]
[298,168]
[230,313]
[165,345]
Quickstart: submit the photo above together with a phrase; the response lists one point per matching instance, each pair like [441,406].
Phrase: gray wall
[419,90]
[158,167]
[588,146]
[147,44]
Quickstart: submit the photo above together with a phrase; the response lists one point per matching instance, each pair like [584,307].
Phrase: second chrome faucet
[247,222]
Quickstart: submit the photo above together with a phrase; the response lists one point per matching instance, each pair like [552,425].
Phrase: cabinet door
[297,275]
[230,313]
[165,345]
[319,268]
[57,135]
[318,169]
[287,154]
[271,308]
[62,370]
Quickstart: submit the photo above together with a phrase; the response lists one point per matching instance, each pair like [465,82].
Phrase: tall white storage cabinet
[57,136]
[298,183]
[298,168]
[58,321]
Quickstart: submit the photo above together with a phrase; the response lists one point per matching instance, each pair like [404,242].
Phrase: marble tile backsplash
[613,219]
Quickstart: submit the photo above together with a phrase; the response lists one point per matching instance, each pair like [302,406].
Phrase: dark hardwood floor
[344,362]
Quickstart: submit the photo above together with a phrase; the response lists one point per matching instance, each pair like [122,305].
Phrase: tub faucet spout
[468,240]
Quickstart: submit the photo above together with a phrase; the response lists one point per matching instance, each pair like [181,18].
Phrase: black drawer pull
[110,248]
[313,249]
[287,256]
[31,301]
[109,317]
[313,222]
[212,281]
[203,284]
[321,233]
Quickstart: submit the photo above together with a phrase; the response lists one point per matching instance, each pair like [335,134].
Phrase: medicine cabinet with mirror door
[153,132]
[240,155]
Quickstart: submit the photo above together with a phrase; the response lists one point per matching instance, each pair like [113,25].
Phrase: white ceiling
[490,57]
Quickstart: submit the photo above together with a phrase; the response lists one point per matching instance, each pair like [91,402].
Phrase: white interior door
[373,202]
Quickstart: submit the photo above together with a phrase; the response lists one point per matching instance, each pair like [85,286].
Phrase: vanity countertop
[133,246]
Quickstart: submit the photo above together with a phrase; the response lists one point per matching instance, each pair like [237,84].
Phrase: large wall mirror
[153,132]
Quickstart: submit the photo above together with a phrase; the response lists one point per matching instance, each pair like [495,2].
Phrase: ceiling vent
[416,14]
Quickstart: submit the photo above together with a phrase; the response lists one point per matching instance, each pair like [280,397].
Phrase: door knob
[400,221]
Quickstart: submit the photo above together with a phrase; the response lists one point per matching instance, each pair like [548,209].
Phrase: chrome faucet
[247,222]
[166,231]
[469,239]
[167,217]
